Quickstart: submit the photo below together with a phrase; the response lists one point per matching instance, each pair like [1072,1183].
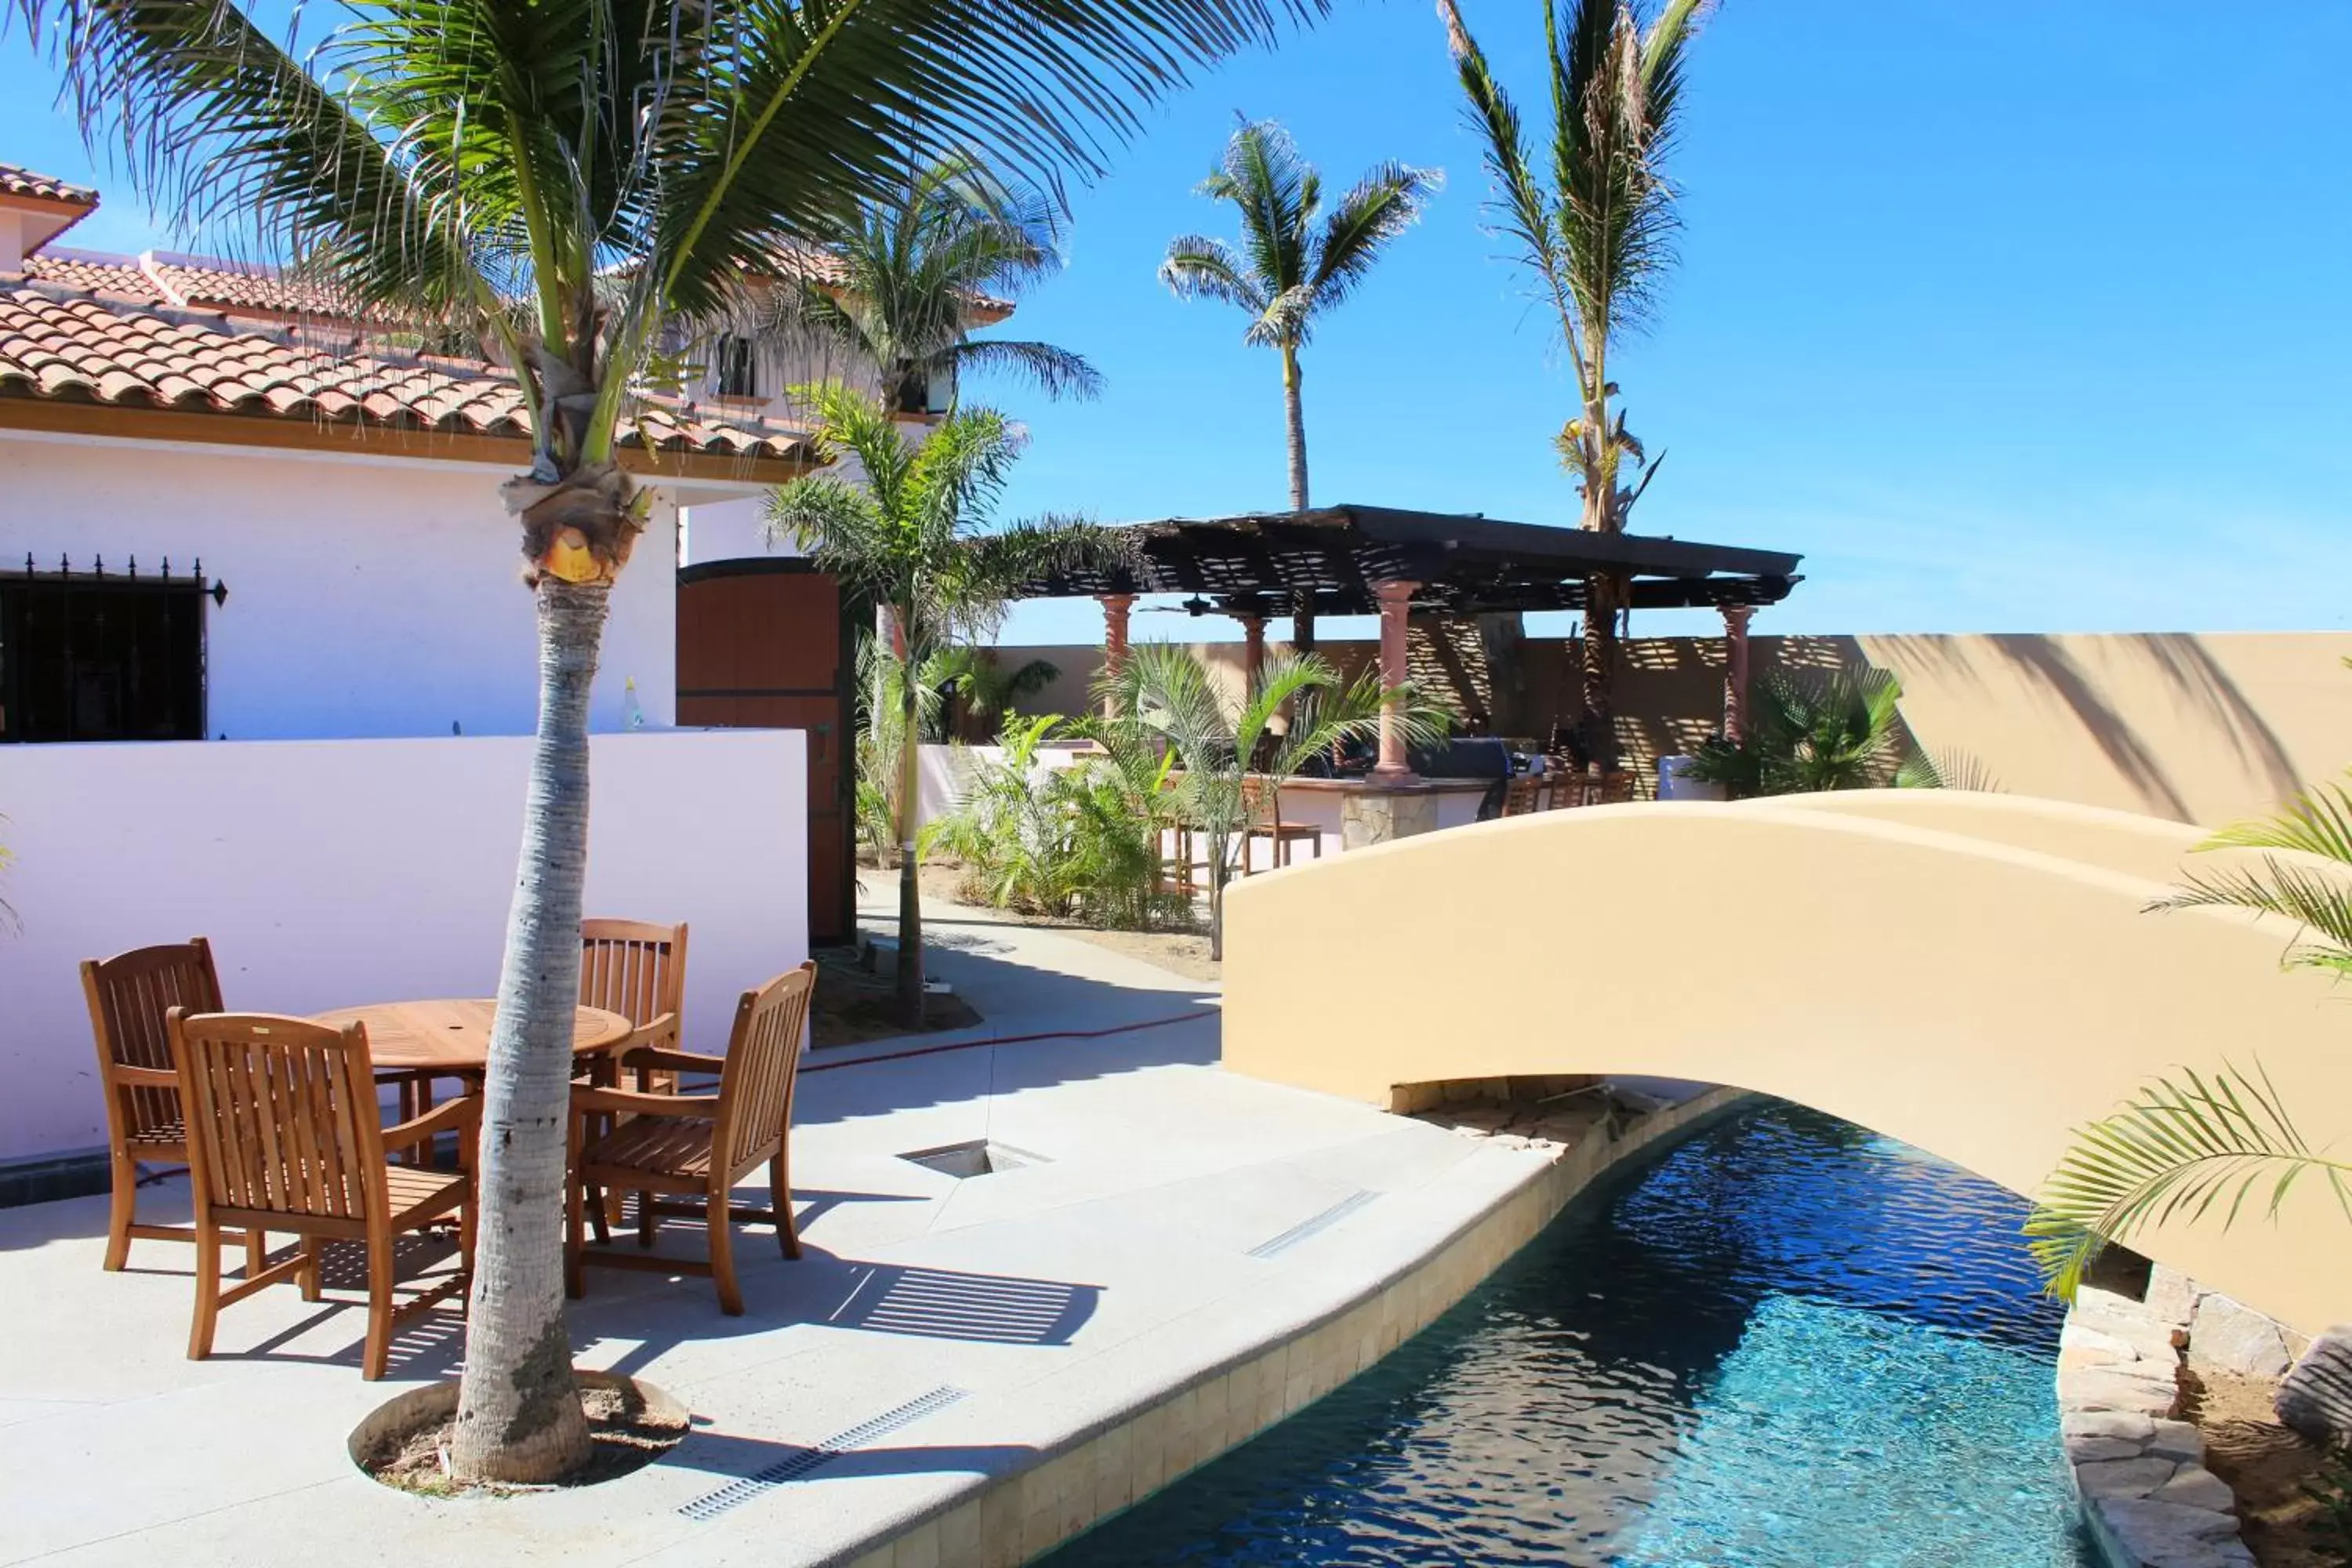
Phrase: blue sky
[2005,318]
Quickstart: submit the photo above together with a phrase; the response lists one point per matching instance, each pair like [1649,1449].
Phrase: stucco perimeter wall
[330,873]
[1951,989]
[2202,728]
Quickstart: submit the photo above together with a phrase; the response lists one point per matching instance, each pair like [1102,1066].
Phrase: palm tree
[1222,741]
[989,689]
[2190,1146]
[910,274]
[1593,217]
[565,181]
[905,540]
[1290,269]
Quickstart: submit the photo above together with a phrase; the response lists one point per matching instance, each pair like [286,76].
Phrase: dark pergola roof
[1327,559]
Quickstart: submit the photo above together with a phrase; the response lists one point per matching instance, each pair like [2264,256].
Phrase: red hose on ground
[1014,1040]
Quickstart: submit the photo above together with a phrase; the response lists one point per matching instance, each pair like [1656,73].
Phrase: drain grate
[1315,1224]
[736,1493]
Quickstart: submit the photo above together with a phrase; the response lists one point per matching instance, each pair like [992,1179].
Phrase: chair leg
[313,1250]
[470,1219]
[646,1219]
[121,1211]
[780,1203]
[604,1213]
[722,1255]
[257,1253]
[574,1203]
[200,1332]
[378,1353]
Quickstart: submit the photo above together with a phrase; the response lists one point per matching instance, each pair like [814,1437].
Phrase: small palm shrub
[1079,842]
[1814,732]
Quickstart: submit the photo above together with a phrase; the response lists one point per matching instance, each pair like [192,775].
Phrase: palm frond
[1055,372]
[1381,204]
[2185,1148]
[2317,901]
[2317,821]
[222,127]
[1198,266]
[1922,768]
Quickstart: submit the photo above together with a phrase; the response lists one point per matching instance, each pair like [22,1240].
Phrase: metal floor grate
[792,1468]
[1314,1225]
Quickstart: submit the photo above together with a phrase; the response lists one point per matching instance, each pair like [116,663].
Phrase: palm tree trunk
[1295,420]
[1603,600]
[910,887]
[518,1414]
[1217,901]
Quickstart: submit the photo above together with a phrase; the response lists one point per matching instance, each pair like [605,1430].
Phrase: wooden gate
[766,644]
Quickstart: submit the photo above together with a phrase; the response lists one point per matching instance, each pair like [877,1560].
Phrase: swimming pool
[1789,1344]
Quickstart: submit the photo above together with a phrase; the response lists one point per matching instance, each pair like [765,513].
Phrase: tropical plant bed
[855,1004]
[2271,1468]
[1179,952]
[405,1444]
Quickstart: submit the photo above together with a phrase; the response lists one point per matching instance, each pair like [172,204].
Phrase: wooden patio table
[452,1038]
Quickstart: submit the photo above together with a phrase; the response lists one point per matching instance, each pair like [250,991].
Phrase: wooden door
[765,644]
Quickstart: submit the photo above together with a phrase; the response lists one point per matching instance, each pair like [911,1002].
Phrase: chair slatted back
[633,968]
[1523,795]
[755,1088]
[1261,806]
[281,1114]
[129,994]
[1616,788]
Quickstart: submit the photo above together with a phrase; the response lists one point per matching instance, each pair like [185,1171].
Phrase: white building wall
[329,874]
[366,596]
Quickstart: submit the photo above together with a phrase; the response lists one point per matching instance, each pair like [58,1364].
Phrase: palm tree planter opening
[909,539]
[1594,218]
[567,183]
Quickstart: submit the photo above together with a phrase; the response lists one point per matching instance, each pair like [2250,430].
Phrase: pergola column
[1396,606]
[1115,607]
[1252,649]
[1735,671]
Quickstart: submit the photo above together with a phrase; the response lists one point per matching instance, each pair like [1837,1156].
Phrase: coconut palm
[566,181]
[2188,1146]
[1223,739]
[1295,261]
[1593,217]
[908,275]
[906,539]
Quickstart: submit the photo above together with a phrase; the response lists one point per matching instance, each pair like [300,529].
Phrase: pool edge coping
[1105,1466]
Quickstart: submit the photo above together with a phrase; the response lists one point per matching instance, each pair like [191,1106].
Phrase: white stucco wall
[333,873]
[365,597]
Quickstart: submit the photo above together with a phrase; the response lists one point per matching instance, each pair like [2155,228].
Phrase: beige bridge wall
[1972,974]
[2197,727]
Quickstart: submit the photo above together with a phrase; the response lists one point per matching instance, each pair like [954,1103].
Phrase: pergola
[1383,561]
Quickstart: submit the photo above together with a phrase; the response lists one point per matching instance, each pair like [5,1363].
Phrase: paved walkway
[1174,1219]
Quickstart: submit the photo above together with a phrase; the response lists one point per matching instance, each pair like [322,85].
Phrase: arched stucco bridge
[1971,974]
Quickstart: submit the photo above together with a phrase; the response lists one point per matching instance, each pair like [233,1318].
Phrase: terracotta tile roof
[80,347]
[205,283]
[100,274]
[16,182]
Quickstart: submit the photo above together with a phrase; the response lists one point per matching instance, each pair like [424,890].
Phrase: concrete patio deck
[938,1334]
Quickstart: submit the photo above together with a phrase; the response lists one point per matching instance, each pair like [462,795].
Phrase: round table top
[454,1036]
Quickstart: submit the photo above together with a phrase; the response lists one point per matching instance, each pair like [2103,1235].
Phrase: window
[92,657]
[739,367]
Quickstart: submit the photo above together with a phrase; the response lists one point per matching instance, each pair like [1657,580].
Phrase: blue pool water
[1789,1344]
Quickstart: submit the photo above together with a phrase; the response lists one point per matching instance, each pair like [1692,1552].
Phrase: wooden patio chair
[1261,818]
[283,1134]
[698,1146]
[129,994]
[1525,794]
[1615,789]
[636,969]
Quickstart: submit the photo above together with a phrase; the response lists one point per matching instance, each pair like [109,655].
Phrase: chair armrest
[659,1034]
[143,1078]
[697,1107]
[459,1115]
[673,1061]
